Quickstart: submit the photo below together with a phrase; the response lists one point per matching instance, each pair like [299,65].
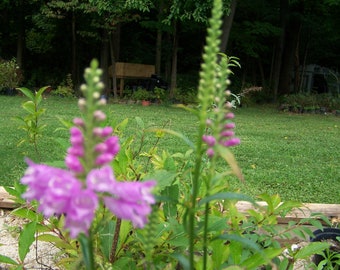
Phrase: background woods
[273,39]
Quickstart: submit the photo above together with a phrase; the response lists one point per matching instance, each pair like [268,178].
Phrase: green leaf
[264,257]
[28,93]
[247,243]
[311,249]
[124,263]
[177,134]
[38,95]
[164,178]
[184,262]
[29,106]
[226,196]
[86,248]
[140,123]
[170,207]
[106,237]
[5,259]
[58,242]
[26,239]
[230,159]
[28,214]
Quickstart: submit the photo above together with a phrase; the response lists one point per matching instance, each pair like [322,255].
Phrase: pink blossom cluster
[226,137]
[59,191]
[105,150]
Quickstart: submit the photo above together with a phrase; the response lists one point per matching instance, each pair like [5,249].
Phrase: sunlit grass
[297,156]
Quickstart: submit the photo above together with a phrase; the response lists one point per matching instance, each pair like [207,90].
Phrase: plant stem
[195,188]
[115,241]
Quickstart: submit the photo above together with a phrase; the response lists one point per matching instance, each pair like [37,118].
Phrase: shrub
[10,74]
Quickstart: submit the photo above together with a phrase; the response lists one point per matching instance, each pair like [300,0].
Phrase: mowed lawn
[296,156]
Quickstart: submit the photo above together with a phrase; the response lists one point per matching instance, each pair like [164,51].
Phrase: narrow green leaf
[38,95]
[230,159]
[177,134]
[26,239]
[5,259]
[182,260]
[247,243]
[86,247]
[28,93]
[62,244]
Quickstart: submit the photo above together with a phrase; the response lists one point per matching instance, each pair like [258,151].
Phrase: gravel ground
[42,254]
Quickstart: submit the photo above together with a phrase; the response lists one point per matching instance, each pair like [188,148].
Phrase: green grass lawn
[297,156]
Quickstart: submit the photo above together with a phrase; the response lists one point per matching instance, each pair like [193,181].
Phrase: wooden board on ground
[6,200]
[331,211]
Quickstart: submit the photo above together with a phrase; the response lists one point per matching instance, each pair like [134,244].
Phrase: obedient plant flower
[225,136]
[89,178]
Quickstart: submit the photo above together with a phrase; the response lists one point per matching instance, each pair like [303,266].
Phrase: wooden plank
[6,200]
[331,211]
[133,70]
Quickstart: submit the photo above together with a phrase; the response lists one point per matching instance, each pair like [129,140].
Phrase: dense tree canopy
[51,39]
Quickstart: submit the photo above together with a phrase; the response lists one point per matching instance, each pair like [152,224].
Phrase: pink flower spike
[100,147]
[97,131]
[229,126]
[210,152]
[135,212]
[78,122]
[104,158]
[101,180]
[107,131]
[232,142]
[132,201]
[227,133]
[77,151]
[76,136]
[62,188]
[81,212]
[112,144]
[74,164]
[209,140]
[99,115]
[229,115]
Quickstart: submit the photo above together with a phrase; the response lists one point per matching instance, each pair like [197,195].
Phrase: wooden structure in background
[131,71]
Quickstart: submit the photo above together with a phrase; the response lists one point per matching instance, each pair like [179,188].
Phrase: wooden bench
[131,71]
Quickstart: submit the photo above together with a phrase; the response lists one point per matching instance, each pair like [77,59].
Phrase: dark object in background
[156,81]
[326,235]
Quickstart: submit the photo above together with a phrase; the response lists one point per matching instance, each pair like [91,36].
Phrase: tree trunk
[74,52]
[159,39]
[279,49]
[226,27]
[104,62]
[21,34]
[173,83]
[114,54]
[291,45]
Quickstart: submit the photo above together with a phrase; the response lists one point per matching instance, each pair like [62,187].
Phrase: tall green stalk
[206,95]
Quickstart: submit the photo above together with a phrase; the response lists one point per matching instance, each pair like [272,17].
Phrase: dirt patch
[42,255]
